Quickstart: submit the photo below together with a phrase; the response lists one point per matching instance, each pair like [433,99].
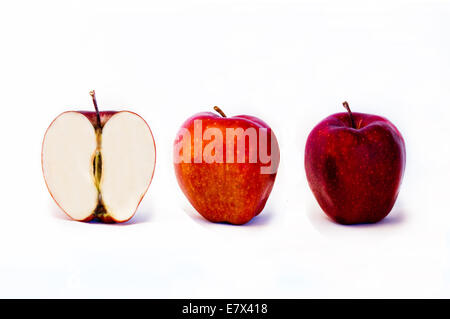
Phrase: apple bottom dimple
[221,192]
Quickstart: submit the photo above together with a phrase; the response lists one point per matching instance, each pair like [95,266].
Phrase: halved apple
[98,164]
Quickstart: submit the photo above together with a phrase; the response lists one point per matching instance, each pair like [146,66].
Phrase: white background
[290,63]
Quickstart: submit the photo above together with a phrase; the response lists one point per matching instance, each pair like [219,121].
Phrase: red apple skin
[104,117]
[226,192]
[355,173]
[92,117]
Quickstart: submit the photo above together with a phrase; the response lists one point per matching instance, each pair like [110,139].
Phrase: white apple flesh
[98,172]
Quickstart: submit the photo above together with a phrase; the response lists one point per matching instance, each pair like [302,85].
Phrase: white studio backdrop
[291,63]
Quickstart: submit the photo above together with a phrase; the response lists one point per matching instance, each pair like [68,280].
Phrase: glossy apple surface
[355,168]
[226,192]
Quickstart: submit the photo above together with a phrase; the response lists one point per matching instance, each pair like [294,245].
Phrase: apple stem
[92,93]
[347,107]
[218,110]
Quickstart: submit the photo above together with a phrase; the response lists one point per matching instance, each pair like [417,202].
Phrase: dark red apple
[354,164]
[222,178]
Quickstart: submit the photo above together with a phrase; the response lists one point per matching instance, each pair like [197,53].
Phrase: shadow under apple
[141,216]
[263,219]
[323,223]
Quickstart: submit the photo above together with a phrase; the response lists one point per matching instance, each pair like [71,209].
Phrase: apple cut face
[98,173]
[67,163]
[128,162]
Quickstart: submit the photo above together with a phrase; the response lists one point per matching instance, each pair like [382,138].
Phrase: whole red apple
[226,166]
[354,164]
